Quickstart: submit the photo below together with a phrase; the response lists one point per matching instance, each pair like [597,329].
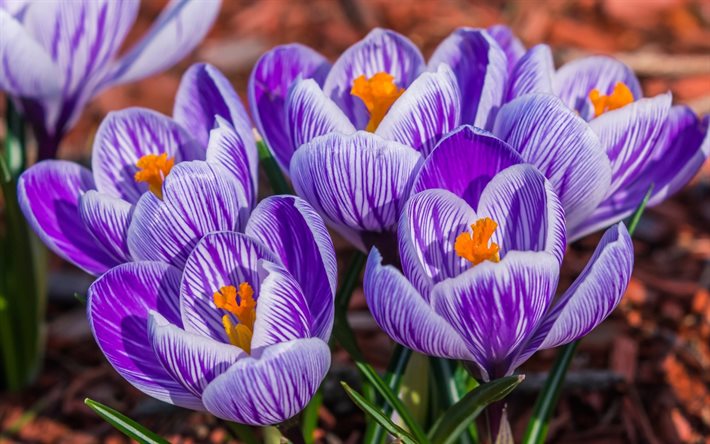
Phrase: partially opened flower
[242,331]
[481,268]
[56,55]
[84,215]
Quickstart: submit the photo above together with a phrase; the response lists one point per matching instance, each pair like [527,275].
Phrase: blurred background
[642,377]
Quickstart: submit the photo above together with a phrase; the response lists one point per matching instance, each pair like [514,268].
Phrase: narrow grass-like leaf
[125,425]
[273,171]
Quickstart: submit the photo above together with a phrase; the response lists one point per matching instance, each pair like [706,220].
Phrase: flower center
[476,247]
[378,93]
[243,307]
[153,169]
[621,96]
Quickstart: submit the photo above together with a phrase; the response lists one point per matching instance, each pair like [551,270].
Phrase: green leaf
[125,425]
[309,417]
[272,170]
[380,417]
[80,297]
[636,217]
[457,418]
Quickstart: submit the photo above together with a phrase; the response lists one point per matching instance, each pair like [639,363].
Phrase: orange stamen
[474,247]
[621,96]
[243,308]
[378,93]
[153,169]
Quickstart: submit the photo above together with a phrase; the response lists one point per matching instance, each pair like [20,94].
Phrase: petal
[204,93]
[269,84]
[27,69]
[407,318]
[191,359]
[270,388]
[358,182]
[118,304]
[464,162]
[380,51]
[427,110]
[533,73]
[127,135]
[218,260]
[310,113]
[48,194]
[430,223]
[575,80]
[527,210]
[562,146]
[238,155]
[282,313]
[496,306]
[292,229]
[509,43]
[198,198]
[107,219]
[179,28]
[480,67]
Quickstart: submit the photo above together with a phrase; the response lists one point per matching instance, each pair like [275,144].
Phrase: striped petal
[512,46]
[48,194]
[107,219]
[534,73]
[124,137]
[380,51]
[270,388]
[404,314]
[268,88]
[426,111]
[198,198]
[292,229]
[495,307]
[464,162]
[562,146]
[481,69]
[118,304]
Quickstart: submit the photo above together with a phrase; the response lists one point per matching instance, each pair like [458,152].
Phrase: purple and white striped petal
[272,387]
[118,304]
[480,66]
[404,314]
[430,222]
[27,69]
[575,80]
[464,162]
[191,359]
[357,182]
[269,84]
[495,307]
[509,43]
[48,194]
[204,93]
[527,210]
[562,146]
[534,73]
[237,155]
[179,28]
[218,260]
[282,313]
[309,114]
[107,219]
[381,50]
[124,137]
[292,229]
[428,109]
[198,198]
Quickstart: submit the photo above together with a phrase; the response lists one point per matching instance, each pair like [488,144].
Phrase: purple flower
[85,216]
[241,331]
[56,55]
[481,246]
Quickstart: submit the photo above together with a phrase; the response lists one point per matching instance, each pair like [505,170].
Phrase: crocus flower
[56,55]
[241,331]
[481,248]
[84,215]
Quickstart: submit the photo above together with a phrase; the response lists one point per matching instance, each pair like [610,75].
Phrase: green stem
[242,432]
[15,154]
[451,393]
[272,170]
[341,329]
[309,416]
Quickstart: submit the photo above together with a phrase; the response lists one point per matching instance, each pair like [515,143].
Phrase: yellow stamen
[475,247]
[153,169]
[378,93]
[621,96]
[243,308]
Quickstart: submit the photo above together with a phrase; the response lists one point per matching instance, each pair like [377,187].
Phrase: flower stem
[342,330]
[272,170]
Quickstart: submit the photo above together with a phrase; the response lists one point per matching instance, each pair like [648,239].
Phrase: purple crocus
[84,216]
[481,247]
[241,330]
[56,55]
